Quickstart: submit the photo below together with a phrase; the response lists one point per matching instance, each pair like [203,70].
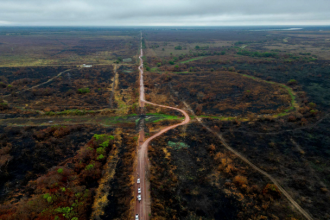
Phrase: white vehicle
[136,217]
[139,190]
[139,197]
[138,180]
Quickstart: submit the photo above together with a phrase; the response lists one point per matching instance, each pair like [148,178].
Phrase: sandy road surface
[143,208]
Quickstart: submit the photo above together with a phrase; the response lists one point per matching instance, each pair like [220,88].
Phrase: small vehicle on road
[139,190]
[138,180]
[137,217]
[139,197]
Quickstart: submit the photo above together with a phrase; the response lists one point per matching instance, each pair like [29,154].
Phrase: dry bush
[291,118]
[272,190]
[62,131]
[211,147]
[240,180]
[4,156]
[40,135]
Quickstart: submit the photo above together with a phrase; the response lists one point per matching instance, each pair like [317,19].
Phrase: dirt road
[143,208]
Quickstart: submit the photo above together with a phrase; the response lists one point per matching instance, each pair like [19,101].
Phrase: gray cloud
[168,12]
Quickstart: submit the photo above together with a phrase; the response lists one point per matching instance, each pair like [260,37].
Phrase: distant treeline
[257,54]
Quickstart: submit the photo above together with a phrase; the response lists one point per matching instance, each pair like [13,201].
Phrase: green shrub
[100,150]
[100,157]
[171,62]
[292,82]
[84,90]
[312,105]
[232,69]
[89,166]
[66,211]
[60,171]
[103,136]
[48,197]
[313,111]
[178,48]
[105,143]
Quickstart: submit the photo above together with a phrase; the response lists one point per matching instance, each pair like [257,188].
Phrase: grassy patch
[185,72]
[84,90]
[70,112]
[193,59]
[162,117]
[177,145]
[222,118]
[288,89]
[154,69]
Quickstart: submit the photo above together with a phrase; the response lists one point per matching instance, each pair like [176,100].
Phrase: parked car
[136,217]
[139,197]
[138,180]
[139,190]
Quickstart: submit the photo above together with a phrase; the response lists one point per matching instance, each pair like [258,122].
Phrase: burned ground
[192,175]
[219,93]
[296,157]
[267,92]
[34,150]
[44,47]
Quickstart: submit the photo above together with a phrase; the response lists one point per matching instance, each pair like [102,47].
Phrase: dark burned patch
[224,93]
[34,150]
[128,77]
[313,77]
[196,193]
[206,181]
[16,78]
[64,91]
[121,186]
[180,187]
[298,159]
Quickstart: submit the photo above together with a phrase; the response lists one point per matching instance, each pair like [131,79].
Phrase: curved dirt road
[143,208]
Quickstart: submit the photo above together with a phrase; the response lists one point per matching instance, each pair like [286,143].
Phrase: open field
[39,47]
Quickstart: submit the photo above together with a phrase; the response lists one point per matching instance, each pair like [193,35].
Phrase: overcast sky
[164,12]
